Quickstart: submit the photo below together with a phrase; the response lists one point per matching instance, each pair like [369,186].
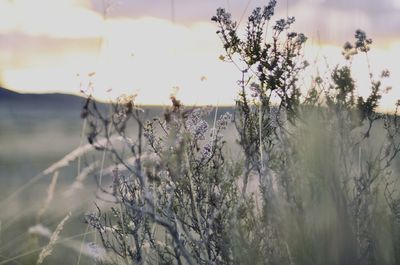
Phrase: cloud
[150,56]
[147,56]
[371,6]
[61,18]
[21,50]
[336,20]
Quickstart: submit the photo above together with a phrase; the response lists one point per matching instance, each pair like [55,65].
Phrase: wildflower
[347,46]
[290,20]
[283,24]
[207,151]
[280,25]
[224,18]
[92,219]
[269,9]
[255,16]
[259,14]
[348,50]
[196,125]
[224,120]
[385,73]
[292,35]
[360,36]
[362,42]
[301,39]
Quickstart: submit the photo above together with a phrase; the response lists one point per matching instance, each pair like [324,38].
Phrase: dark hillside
[12,99]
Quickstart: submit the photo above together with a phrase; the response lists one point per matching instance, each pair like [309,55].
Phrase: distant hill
[31,106]
[11,99]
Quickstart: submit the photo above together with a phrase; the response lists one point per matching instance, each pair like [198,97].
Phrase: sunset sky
[150,47]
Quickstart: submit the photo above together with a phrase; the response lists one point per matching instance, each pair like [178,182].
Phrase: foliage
[176,199]
[323,190]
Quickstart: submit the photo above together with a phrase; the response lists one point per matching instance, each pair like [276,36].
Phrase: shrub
[325,191]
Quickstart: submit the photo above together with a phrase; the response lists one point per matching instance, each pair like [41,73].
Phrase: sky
[155,47]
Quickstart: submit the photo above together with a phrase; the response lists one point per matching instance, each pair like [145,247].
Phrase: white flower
[196,125]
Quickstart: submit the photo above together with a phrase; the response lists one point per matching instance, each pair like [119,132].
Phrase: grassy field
[32,139]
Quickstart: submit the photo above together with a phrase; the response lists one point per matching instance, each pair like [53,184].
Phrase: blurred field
[31,139]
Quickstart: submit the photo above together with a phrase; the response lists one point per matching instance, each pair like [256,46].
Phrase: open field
[31,139]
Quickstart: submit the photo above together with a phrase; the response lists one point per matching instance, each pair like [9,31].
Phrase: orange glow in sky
[54,45]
